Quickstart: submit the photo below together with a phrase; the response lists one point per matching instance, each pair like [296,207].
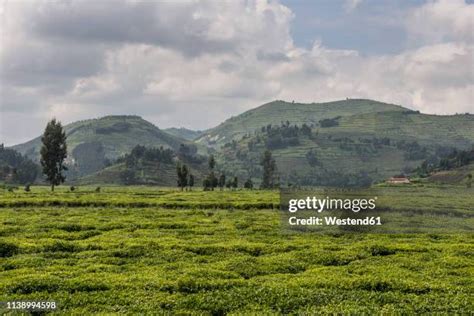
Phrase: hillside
[348,142]
[148,174]
[92,144]
[347,149]
[455,176]
[183,133]
[151,166]
[16,168]
[297,113]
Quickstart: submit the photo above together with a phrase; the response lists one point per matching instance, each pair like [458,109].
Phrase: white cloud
[195,64]
[442,20]
[351,5]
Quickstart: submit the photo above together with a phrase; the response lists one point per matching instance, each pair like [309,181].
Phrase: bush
[11,188]
[8,249]
[60,246]
[379,250]
[72,188]
[27,188]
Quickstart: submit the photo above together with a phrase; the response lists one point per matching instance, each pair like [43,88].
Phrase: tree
[222,181]
[211,181]
[53,153]
[191,181]
[212,162]
[235,183]
[182,172]
[269,169]
[248,184]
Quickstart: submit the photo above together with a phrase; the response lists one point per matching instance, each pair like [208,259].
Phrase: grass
[143,250]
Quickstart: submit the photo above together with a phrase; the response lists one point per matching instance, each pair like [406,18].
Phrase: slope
[183,133]
[350,149]
[297,113]
[92,144]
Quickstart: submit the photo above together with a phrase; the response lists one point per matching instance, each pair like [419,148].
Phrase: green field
[142,250]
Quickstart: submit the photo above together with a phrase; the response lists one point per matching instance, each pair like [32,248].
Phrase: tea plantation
[139,250]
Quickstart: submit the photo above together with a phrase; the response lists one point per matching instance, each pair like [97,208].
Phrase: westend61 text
[335,221]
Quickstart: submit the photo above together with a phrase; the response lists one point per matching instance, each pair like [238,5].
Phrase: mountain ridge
[278,111]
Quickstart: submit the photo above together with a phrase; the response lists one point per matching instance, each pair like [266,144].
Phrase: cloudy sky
[196,63]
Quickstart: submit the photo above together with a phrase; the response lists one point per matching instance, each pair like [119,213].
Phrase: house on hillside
[399,180]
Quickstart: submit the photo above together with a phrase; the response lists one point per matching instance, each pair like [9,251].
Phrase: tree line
[269,180]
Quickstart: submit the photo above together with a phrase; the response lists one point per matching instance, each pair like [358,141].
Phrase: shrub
[379,250]
[35,284]
[8,249]
[11,188]
[61,246]
[27,188]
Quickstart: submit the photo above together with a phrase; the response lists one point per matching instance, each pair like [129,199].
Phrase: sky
[196,63]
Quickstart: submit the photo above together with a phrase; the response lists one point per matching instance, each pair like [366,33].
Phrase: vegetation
[453,160]
[94,143]
[269,170]
[329,122]
[53,153]
[183,133]
[211,181]
[182,173]
[16,168]
[140,250]
[358,139]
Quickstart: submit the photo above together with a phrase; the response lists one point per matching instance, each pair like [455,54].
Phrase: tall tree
[248,184]
[211,180]
[53,153]
[191,181]
[235,183]
[182,172]
[269,169]
[212,163]
[222,181]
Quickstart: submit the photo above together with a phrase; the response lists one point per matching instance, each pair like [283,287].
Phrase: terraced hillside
[183,133]
[92,143]
[160,174]
[360,148]
[297,113]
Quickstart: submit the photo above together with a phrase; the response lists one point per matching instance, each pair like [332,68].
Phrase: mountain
[337,143]
[297,113]
[183,133]
[341,143]
[93,144]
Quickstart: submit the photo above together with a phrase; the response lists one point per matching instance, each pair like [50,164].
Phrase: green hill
[148,174]
[346,142]
[297,113]
[349,142]
[92,144]
[151,166]
[183,133]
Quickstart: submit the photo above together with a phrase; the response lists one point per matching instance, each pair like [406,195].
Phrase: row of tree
[211,181]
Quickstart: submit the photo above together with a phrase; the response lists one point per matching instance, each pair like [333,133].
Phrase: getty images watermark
[319,205]
[366,211]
